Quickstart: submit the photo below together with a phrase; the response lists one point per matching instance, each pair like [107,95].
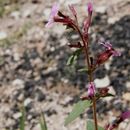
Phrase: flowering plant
[92,63]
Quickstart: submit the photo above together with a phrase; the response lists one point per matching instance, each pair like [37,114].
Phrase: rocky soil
[33,71]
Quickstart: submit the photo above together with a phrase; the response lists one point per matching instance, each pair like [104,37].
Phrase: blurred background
[33,70]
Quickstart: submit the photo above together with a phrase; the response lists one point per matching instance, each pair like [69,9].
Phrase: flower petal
[107,45]
[54,12]
[116,53]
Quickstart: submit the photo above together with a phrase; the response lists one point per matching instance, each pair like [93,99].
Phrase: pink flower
[125,115]
[54,11]
[90,8]
[108,46]
[116,122]
[91,89]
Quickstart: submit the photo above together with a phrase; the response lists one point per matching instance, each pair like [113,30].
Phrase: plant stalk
[94,114]
[90,74]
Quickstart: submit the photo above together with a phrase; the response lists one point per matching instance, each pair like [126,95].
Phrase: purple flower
[89,8]
[116,122]
[125,115]
[54,11]
[108,46]
[91,89]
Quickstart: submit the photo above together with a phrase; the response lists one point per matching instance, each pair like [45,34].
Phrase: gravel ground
[33,64]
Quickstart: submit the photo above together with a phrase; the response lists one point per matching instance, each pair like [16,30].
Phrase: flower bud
[90,8]
[103,57]
[91,89]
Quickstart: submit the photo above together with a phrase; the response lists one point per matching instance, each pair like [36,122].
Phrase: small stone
[112,20]
[128,85]
[15,15]
[18,83]
[101,9]
[16,56]
[3,35]
[17,115]
[66,100]
[8,52]
[29,117]
[26,13]
[126,96]
[72,2]
[36,127]
[21,97]
[27,102]
[9,122]
[100,83]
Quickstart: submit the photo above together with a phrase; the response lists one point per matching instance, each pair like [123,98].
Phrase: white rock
[128,84]
[112,20]
[21,97]
[69,2]
[17,115]
[9,122]
[3,35]
[15,15]
[18,83]
[100,83]
[101,9]
[126,96]
[8,52]
[27,102]
[16,56]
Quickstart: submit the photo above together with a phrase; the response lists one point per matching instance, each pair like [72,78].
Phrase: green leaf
[43,123]
[70,60]
[22,119]
[74,56]
[91,126]
[83,70]
[78,109]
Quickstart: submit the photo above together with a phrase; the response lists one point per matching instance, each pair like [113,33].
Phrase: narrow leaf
[78,109]
[43,123]
[83,70]
[70,60]
[74,56]
[22,119]
[91,126]
[108,95]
